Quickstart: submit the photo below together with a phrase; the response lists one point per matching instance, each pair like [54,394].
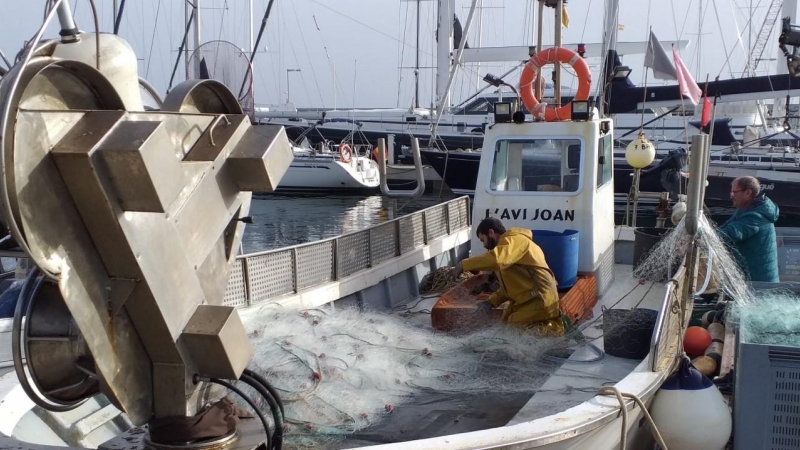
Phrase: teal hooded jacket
[751,232]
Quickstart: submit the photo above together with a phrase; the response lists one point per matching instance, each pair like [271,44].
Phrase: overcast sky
[367,41]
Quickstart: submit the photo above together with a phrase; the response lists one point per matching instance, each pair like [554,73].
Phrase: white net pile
[764,317]
[340,370]
[668,255]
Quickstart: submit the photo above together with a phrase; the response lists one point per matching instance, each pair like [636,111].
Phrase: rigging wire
[308,56]
[724,47]
[297,63]
[152,41]
[401,49]
[365,25]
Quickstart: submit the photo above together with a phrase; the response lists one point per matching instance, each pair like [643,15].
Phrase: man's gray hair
[749,183]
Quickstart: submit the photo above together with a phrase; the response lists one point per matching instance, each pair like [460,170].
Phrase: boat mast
[416,66]
[778,107]
[609,42]
[443,50]
[539,46]
[250,16]
[557,80]
[196,35]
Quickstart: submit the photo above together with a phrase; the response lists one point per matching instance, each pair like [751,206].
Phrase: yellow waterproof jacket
[525,279]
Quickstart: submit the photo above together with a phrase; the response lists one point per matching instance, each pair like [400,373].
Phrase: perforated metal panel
[435,222]
[236,292]
[411,232]
[352,253]
[785,408]
[270,275]
[314,264]
[383,242]
[766,413]
[458,214]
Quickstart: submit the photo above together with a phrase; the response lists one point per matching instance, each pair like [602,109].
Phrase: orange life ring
[345,152]
[534,66]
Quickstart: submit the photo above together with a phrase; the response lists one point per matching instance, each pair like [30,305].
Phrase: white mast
[443,51]
[609,39]
[790,11]
[250,48]
[196,36]
[186,47]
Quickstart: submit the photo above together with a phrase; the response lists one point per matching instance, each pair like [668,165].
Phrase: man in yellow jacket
[526,282]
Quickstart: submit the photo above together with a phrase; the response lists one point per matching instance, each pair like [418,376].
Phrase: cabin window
[537,165]
[478,107]
[605,160]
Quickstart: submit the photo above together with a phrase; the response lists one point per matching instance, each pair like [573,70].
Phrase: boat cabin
[553,176]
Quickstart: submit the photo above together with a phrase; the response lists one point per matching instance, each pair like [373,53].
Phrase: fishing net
[341,370]
[228,64]
[668,255]
[763,317]
[774,321]
[345,371]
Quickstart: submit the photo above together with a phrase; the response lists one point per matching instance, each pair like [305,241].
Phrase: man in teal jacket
[751,230]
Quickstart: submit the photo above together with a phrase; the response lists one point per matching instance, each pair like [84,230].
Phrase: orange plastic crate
[455,309]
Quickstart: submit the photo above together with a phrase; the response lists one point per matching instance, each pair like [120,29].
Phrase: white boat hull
[308,173]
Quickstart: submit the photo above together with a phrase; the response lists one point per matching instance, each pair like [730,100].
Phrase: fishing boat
[136,307]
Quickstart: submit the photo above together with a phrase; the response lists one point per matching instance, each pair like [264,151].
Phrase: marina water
[282,220]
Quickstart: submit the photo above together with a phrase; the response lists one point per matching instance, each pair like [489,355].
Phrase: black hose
[118,19]
[249,402]
[265,383]
[277,415]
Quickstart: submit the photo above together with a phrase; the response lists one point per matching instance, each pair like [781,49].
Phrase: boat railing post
[420,176]
[446,207]
[424,228]
[637,176]
[398,249]
[694,205]
[390,144]
[246,276]
[335,259]
[697,170]
[295,272]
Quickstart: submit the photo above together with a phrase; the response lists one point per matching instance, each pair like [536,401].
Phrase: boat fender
[690,412]
[531,70]
[717,332]
[696,341]
[345,152]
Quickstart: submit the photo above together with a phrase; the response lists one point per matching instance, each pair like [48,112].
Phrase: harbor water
[282,220]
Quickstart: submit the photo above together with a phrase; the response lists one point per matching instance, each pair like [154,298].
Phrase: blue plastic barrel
[561,253]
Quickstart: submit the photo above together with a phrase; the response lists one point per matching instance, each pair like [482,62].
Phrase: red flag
[706,117]
[685,81]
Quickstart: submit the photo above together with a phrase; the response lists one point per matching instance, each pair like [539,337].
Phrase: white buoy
[690,412]
[678,211]
[640,152]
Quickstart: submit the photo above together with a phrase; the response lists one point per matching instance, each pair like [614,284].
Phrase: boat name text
[535,214]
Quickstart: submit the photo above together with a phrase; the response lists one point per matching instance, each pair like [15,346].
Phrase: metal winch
[132,219]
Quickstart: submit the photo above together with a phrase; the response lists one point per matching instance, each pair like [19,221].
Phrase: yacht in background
[330,167]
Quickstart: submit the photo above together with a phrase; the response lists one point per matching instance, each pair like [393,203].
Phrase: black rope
[244,397]
[118,19]
[277,414]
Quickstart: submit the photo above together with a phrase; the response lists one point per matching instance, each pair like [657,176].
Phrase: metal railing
[271,274]
[664,342]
